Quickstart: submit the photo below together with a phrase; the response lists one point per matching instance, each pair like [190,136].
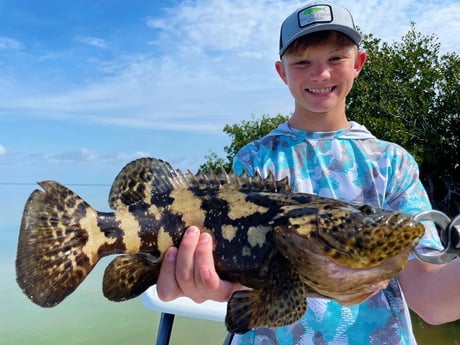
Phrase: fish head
[367,236]
[346,252]
[355,236]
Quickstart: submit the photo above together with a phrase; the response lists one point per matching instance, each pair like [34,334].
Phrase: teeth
[324,90]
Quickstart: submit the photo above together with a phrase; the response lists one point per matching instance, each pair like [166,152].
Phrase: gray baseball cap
[317,16]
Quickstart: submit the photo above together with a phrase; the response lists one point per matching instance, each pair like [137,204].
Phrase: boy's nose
[320,73]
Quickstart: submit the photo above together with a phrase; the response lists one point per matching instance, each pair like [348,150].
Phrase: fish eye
[367,209]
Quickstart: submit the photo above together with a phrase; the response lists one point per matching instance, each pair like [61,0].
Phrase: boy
[323,153]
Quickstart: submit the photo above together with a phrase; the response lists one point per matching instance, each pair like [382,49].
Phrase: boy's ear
[279,66]
[360,61]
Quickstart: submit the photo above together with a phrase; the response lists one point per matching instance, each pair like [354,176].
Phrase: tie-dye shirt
[350,165]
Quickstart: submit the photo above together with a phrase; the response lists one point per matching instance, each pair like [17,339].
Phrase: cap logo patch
[315,14]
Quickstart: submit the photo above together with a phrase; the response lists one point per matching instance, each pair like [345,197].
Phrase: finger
[185,263]
[206,277]
[204,263]
[167,287]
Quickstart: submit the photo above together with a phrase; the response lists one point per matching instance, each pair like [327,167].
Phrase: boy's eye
[302,63]
[335,58]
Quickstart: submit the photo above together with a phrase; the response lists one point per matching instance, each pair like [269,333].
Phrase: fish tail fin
[51,262]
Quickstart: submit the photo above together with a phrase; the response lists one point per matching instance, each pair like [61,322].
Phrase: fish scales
[285,246]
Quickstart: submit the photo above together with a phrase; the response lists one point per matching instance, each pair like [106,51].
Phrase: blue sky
[86,86]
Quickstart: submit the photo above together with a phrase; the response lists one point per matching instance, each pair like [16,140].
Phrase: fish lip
[357,284]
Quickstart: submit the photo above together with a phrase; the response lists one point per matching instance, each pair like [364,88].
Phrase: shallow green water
[436,335]
[86,317]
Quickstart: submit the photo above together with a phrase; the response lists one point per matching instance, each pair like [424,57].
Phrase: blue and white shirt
[355,166]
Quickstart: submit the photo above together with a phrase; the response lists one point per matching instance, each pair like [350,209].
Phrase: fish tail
[52,259]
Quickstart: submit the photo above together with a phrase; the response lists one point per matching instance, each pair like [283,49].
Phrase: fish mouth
[348,285]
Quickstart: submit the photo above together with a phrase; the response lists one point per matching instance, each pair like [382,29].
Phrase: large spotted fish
[284,246]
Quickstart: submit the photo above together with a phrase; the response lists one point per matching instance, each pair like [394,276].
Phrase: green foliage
[242,134]
[407,93]
[214,163]
[395,91]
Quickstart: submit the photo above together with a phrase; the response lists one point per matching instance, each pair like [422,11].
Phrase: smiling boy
[319,78]
[323,153]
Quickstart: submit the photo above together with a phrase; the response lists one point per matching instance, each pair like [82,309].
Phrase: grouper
[283,246]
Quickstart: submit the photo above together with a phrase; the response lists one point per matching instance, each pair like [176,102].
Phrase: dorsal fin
[144,177]
[141,178]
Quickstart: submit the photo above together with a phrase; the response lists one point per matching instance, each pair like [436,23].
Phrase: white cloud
[213,65]
[390,20]
[83,154]
[10,43]
[93,41]
[3,150]
[443,22]
[237,27]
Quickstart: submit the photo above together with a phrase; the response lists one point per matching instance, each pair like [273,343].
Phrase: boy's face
[321,76]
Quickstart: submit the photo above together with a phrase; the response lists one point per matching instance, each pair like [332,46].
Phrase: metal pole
[165,329]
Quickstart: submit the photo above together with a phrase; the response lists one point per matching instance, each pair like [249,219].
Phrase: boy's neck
[318,122]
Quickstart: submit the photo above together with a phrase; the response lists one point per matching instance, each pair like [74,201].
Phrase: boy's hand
[189,271]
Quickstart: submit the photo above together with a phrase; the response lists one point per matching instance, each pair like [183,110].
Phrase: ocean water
[86,317]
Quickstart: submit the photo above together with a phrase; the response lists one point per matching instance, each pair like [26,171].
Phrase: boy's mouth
[320,91]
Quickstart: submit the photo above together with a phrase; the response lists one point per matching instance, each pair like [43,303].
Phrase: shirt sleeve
[405,192]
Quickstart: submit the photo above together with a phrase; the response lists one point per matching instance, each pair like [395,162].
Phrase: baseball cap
[318,16]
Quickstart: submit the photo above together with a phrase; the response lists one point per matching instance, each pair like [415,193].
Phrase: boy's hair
[317,38]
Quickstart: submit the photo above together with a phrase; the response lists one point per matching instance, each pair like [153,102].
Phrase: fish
[282,245]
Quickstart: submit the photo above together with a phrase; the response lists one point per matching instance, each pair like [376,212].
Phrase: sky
[87,86]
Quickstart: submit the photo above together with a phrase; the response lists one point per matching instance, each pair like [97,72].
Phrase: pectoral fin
[281,303]
[128,276]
